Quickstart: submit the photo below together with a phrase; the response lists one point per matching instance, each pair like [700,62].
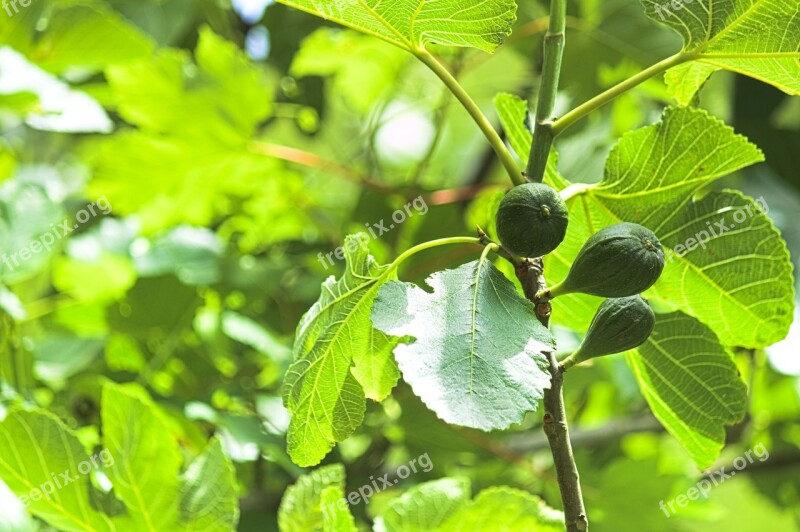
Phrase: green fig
[531,220]
[620,324]
[618,261]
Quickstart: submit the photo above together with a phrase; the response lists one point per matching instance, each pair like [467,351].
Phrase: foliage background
[194,284]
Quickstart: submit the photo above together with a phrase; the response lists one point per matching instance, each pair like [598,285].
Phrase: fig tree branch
[310,160]
[548,89]
[531,276]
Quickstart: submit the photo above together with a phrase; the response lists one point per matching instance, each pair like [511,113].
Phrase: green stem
[472,108]
[428,245]
[570,361]
[601,99]
[548,89]
[576,189]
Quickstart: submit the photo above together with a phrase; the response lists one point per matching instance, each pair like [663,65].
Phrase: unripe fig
[618,261]
[619,325]
[531,220]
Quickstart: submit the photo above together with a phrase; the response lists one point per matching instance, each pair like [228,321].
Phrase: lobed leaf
[339,359]
[411,24]
[478,358]
[652,177]
[758,38]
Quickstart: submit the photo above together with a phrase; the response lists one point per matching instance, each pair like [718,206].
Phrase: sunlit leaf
[411,24]
[339,358]
[301,508]
[210,508]
[86,35]
[758,38]
[507,509]
[363,68]
[147,458]
[652,176]
[36,447]
[425,507]
[336,516]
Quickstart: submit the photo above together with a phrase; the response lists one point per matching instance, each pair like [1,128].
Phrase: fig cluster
[619,262]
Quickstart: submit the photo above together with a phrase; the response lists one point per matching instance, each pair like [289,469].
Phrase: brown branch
[310,160]
[531,275]
[456,195]
[612,431]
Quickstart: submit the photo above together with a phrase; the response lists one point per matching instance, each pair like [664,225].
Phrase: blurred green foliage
[227,171]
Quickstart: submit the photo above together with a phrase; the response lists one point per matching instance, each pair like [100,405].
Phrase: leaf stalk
[475,112]
[600,100]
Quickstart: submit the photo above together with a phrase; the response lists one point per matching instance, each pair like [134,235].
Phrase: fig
[531,220]
[620,260]
[620,324]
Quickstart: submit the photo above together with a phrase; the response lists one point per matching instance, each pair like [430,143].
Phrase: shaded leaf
[691,383]
[478,358]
